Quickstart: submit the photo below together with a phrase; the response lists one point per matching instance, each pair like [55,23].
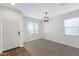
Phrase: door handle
[19,33]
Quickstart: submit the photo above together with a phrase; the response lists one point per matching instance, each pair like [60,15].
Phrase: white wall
[54,30]
[28,36]
[69,39]
[13,14]
[0,35]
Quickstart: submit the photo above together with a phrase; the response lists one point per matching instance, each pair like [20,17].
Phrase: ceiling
[37,10]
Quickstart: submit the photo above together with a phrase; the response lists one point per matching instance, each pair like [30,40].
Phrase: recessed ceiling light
[12,3]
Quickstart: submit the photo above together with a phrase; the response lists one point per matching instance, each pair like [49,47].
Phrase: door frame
[21,34]
[1,50]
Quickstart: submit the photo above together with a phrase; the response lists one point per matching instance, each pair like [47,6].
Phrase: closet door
[11,37]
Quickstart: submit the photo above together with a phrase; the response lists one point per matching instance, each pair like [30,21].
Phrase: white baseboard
[75,46]
[21,45]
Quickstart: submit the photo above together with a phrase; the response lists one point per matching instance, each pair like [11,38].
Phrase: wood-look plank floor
[44,47]
[16,52]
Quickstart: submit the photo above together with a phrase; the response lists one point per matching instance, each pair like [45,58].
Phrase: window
[71,26]
[32,27]
[35,27]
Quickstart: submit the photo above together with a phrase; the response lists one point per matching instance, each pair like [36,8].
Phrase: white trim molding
[1,50]
[21,33]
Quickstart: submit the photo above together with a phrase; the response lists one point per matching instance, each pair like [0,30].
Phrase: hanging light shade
[46,18]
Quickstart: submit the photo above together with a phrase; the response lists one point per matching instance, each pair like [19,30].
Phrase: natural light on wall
[71,26]
[32,27]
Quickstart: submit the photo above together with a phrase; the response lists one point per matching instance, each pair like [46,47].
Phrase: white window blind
[32,27]
[71,26]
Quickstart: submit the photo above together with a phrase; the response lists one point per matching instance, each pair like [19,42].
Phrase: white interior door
[11,39]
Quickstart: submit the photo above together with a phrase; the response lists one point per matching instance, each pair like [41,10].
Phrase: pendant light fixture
[46,18]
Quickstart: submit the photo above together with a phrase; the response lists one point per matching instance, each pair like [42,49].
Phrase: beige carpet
[44,47]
